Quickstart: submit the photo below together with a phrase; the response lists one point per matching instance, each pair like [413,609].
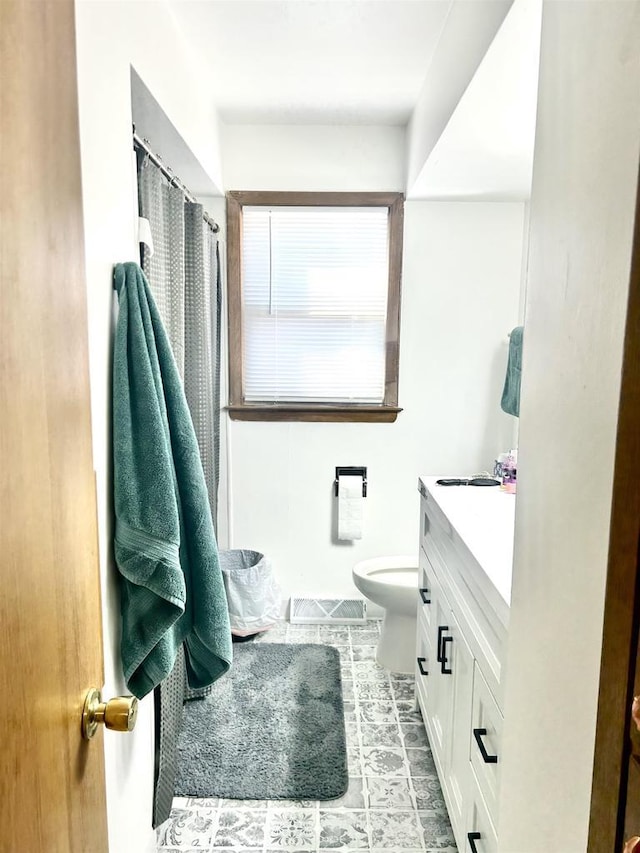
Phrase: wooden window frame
[238,409]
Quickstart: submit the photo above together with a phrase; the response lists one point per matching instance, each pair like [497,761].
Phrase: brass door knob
[118,714]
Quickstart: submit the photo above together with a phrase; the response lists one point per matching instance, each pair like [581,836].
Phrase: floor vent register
[327,611]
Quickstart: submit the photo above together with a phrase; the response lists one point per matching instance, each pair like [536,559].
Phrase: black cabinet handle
[444,669]
[441,630]
[472,837]
[488,759]
[420,667]
[423,595]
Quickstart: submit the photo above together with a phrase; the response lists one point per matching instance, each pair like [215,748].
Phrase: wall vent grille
[350,611]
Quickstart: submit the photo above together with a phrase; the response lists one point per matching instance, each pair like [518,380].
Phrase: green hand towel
[172,589]
[511,393]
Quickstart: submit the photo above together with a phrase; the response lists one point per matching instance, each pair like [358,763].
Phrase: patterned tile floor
[394,801]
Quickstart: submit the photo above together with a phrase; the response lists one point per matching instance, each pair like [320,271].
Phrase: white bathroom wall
[465,38]
[111,37]
[583,201]
[486,149]
[460,297]
[317,157]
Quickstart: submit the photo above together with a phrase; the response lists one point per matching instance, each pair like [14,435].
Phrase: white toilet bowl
[392,583]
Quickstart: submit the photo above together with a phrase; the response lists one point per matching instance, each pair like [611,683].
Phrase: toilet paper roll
[350,508]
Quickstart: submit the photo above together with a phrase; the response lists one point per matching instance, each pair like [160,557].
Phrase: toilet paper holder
[351,471]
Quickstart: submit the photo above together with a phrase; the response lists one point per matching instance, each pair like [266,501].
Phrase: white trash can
[253,594]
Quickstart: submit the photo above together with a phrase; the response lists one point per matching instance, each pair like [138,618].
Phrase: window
[314,305]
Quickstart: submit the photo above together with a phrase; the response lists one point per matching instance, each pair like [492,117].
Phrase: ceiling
[461,75]
[319,61]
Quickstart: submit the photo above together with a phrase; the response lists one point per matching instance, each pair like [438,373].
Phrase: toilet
[392,583]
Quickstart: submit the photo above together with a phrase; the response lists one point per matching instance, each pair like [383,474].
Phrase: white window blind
[314,293]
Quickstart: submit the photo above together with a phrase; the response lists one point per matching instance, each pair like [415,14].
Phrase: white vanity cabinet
[466,552]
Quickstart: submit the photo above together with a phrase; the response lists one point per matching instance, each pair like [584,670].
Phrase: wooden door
[615,796]
[630,806]
[52,790]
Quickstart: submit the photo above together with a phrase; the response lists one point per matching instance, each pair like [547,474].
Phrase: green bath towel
[172,589]
[511,393]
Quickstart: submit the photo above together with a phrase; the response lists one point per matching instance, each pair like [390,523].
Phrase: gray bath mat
[272,728]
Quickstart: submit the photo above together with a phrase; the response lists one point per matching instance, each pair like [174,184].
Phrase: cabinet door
[424,665]
[440,681]
[458,659]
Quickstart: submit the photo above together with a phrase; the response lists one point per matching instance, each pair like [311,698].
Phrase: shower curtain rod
[144,145]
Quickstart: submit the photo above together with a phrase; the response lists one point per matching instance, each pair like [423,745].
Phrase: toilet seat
[400,577]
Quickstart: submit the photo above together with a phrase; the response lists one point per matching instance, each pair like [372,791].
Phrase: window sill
[313,412]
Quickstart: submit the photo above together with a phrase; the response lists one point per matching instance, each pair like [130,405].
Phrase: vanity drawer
[486,740]
[480,835]
[425,588]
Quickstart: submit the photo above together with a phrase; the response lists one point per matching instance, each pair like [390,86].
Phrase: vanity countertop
[484,519]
